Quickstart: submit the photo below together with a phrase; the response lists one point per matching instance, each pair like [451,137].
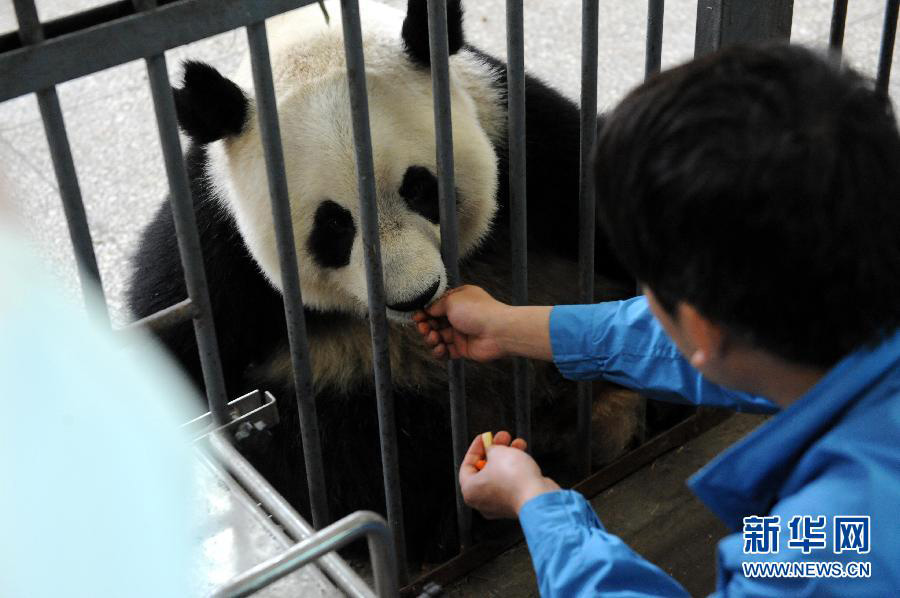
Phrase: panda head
[317,137]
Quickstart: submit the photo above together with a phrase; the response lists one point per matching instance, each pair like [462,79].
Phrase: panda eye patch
[331,240]
[420,190]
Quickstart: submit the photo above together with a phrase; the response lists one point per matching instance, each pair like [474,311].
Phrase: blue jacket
[834,453]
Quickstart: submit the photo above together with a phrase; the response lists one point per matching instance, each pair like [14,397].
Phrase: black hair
[761,186]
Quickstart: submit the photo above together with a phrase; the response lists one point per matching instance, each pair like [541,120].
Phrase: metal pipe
[283,513]
[518,201]
[838,23]
[164,318]
[888,36]
[590,25]
[333,537]
[97,44]
[186,231]
[267,111]
[653,58]
[440,81]
[31,32]
[365,172]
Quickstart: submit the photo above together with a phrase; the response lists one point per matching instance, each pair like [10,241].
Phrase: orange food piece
[479,465]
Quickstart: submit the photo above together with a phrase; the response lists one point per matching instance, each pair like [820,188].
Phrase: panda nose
[417,302]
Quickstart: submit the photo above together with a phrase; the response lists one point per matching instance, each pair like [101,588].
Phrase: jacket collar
[746,479]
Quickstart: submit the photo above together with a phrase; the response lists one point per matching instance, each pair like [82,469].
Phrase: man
[755,196]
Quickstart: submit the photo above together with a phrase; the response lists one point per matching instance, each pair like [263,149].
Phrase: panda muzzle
[418,302]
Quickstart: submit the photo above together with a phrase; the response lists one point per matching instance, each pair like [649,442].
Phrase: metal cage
[39,56]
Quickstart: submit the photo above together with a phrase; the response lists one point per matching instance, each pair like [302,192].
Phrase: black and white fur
[228,182]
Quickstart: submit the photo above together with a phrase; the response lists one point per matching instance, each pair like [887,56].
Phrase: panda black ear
[208,105]
[415,30]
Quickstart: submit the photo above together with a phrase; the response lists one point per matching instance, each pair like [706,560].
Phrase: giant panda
[228,182]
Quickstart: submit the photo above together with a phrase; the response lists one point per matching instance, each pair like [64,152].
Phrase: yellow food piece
[488,439]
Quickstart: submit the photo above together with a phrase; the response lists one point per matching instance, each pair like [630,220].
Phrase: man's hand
[468,323]
[509,479]
[459,324]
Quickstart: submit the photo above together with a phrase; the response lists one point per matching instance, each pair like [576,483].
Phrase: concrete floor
[114,140]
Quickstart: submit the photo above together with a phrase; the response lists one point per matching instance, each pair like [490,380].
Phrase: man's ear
[706,338]
[415,30]
[209,106]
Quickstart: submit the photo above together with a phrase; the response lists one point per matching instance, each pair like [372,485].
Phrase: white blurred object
[95,473]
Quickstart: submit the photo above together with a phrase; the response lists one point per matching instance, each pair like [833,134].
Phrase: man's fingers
[440,351]
[446,335]
[419,316]
[474,452]
[519,443]
[433,338]
[502,437]
[437,309]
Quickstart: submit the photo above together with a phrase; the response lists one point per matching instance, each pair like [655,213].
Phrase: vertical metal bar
[186,231]
[365,173]
[888,36]
[518,201]
[31,32]
[590,24]
[267,111]
[653,58]
[838,23]
[440,78]
[722,23]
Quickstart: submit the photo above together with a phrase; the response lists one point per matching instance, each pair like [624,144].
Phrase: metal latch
[254,412]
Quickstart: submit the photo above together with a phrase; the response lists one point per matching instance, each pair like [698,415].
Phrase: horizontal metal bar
[80,20]
[284,514]
[888,36]
[333,537]
[267,111]
[365,174]
[164,319]
[136,36]
[590,25]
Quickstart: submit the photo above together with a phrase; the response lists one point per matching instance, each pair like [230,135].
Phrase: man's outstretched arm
[619,341]
[468,323]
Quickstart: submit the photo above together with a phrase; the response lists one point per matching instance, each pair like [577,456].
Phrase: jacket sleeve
[574,556]
[621,341]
